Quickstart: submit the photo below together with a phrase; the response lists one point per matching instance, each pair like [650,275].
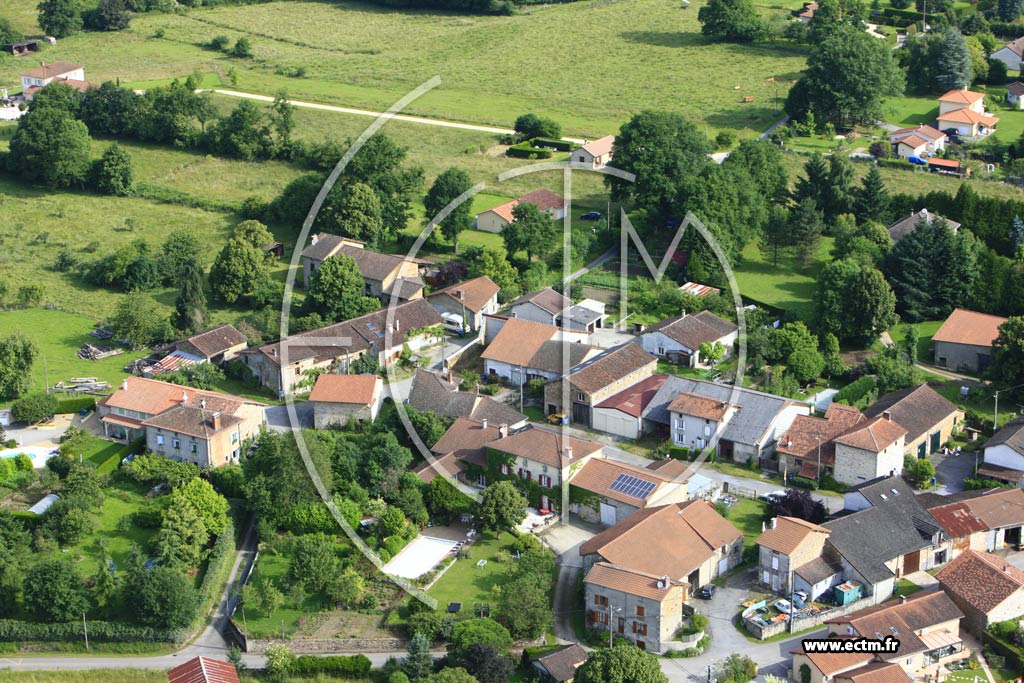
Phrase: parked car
[591,216]
[783,606]
[774,495]
[558,419]
[707,592]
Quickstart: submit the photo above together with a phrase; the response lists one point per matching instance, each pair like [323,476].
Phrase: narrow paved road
[375,114]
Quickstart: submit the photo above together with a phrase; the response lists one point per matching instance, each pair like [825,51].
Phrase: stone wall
[762,632]
[332,645]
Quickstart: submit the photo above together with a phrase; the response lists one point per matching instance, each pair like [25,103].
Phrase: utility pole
[46,376]
[85,629]
[995,418]
[521,388]
[819,459]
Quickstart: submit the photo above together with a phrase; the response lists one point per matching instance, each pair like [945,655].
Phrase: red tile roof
[802,438]
[354,389]
[598,475]
[983,580]
[962,96]
[474,294]
[545,446]
[608,575]
[518,342]
[203,670]
[968,116]
[957,519]
[670,540]
[788,534]
[543,199]
[874,435]
[633,400]
[698,406]
[600,147]
[969,327]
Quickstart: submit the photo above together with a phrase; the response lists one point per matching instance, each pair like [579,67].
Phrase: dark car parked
[707,592]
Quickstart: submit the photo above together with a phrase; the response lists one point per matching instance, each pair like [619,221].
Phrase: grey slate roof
[756,410]
[916,409]
[817,570]
[1011,435]
[430,392]
[561,664]
[895,524]
[549,357]
[906,225]
[695,329]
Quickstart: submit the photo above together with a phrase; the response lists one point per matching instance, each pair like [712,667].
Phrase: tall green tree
[805,228]
[838,194]
[355,210]
[659,148]
[448,186]
[502,507]
[163,597]
[736,21]
[51,147]
[529,126]
[314,561]
[763,160]
[17,354]
[953,68]
[835,16]
[848,76]
[115,173]
[1008,353]
[872,199]
[814,185]
[531,230]
[9,34]
[911,337]
[104,583]
[854,301]
[336,290]
[776,236]
[620,664]
[109,15]
[495,265]
[55,592]
[190,305]
[138,319]
[255,233]
[211,507]
[238,271]
[1010,10]
[60,18]
[181,538]
[418,662]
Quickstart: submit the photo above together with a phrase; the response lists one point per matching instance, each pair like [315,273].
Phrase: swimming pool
[39,454]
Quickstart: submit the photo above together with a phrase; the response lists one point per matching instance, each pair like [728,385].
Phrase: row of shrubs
[75,405]
[15,630]
[855,390]
[355,666]
[526,150]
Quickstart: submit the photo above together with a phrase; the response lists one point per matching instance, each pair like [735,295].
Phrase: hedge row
[75,405]
[1002,29]
[221,553]
[525,150]
[897,163]
[14,630]
[356,666]
[855,391]
[560,145]
[901,17]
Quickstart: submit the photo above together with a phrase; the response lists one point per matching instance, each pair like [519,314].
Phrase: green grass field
[788,285]
[59,336]
[567,61]
[925,330]
[466,583]
[747,515]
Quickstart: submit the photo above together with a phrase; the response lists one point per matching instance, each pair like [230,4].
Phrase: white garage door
[723,565]
[607,514]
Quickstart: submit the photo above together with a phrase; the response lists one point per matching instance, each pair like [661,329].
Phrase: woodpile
[91,351]
[81,385]
[102,333]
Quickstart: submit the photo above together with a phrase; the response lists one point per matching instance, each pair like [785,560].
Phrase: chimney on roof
[483,423]
[772,523]
[314,239]
[903,599]
[568,453]
[215,421]
[684,314]
[398,325]
[502,431]
[202,404]
[184,397]
[887,415]
[124,384]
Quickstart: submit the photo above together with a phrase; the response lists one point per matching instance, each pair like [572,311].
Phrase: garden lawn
[105,455]
[118,502]
[88,676]
[466,583]
[368,56]
[788,285]
[274,567]
[59,336]
[925,330]
[747,515]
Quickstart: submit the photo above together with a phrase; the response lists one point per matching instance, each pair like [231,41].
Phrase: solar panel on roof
[632,486]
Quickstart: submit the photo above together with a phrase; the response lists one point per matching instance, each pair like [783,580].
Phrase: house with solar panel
[608,491]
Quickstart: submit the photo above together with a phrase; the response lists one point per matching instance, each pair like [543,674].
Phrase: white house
[1006,447]
[920,141]
[32,81]
[1010,54]
[964,111]
[1015,94]
[596,153]
[495,220]
[680,338]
